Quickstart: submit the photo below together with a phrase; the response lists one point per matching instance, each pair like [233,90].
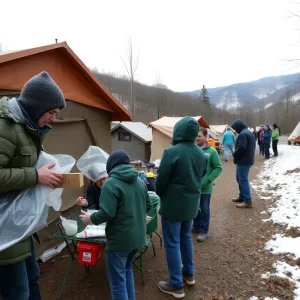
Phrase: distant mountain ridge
[262,92]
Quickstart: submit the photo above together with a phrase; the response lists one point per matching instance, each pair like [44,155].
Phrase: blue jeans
[203,217]
[120,275]
[262,152]
[242,173]
[226,150]
[20,281]
[179,250]
[267,150]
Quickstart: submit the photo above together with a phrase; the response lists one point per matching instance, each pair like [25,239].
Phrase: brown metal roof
[76,81]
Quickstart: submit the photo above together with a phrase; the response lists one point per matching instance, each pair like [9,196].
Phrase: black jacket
[93,195]
[245,144]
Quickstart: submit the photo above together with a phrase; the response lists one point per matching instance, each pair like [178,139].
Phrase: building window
[124,136]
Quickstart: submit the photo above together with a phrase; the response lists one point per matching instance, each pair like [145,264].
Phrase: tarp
[162,134]
[72,135]
[295,134]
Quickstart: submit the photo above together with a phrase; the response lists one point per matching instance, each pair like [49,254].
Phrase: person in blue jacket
[228,141]
[267,140]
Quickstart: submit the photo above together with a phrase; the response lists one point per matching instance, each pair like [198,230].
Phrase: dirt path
[228,264]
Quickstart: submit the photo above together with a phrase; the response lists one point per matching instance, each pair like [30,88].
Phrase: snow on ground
[279,182]
[267,298]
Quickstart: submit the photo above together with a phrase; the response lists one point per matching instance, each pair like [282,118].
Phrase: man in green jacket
[124,203]
[178,183]
[213,170]
[275,137]
[24,123]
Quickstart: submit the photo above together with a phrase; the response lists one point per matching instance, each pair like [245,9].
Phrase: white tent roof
[295,133]
[166,124]
[138,129]
[220,129]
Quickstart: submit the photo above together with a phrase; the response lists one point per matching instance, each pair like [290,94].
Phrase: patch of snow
[266,298]
[280,86]
[296,97]
[264,93]
[228,101]
[268,105]
[280,178]
[282,186]
[284,270]
[281,244]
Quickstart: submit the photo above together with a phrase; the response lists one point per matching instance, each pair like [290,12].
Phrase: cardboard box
[72,181]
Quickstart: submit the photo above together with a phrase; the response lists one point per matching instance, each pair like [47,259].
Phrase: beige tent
[162,134]
[213,133]
[84,122]
[294,137]
[220,129]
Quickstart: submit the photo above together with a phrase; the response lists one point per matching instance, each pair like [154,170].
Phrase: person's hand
[81,201]
[85,217]
[49,178]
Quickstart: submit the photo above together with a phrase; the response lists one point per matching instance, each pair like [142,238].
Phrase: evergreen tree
[204,96]
[205,99]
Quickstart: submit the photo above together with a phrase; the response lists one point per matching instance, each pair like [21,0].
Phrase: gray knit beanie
[41,94]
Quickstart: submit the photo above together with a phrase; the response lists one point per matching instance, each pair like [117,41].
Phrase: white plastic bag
[70,226]
[23,213]
[93,163]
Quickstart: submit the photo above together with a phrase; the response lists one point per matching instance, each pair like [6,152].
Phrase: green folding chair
[151,228]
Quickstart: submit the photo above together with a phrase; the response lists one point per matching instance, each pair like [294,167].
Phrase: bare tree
[131,65]
[287,100]
[294,112]
[161,97]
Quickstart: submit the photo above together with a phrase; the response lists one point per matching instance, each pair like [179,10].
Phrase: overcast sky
[184,43]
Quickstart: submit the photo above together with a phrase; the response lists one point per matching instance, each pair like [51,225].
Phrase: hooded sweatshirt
[275,134]
[178,180]
[228,138]
[267,134]
[245,144]
[124,203]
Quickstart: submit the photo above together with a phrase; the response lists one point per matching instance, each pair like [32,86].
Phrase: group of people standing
[184,183]
[267,137]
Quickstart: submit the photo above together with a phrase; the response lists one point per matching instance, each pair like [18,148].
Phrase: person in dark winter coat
[260,140]
[267,140]
[24,123]
[244,159]
[93,192]
[178,183]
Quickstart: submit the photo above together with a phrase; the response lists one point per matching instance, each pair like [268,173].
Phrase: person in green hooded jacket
[178,183]
[24,123]
[275,138]
[213,170]
[124,203]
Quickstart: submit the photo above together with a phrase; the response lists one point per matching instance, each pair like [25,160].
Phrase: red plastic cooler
[89,253]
